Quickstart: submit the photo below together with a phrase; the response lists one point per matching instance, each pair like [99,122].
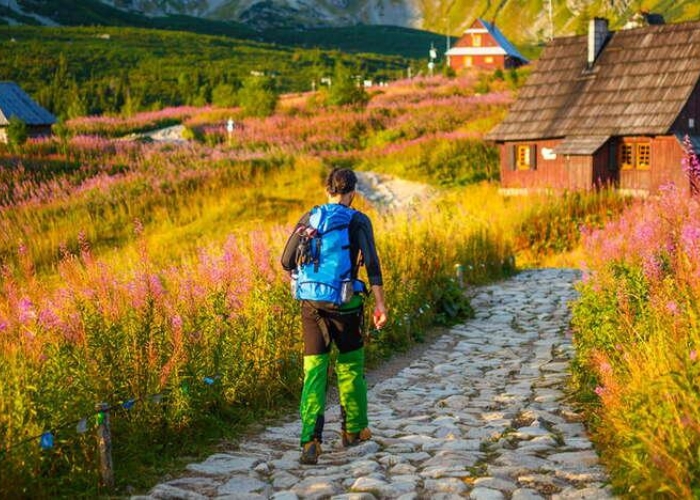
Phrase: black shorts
[321,326]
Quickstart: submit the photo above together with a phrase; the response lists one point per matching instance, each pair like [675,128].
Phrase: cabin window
[643,156]
[488,59]
[626,156]
[635,155]
[476,40]
[468,62]
[523,157]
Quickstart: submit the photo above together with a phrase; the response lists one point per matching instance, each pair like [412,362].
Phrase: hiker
[323,256]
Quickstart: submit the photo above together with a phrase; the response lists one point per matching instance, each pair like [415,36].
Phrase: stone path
[389,193]
[482,414]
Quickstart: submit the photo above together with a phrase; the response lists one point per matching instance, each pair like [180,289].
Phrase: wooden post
[459,274]
[104,443]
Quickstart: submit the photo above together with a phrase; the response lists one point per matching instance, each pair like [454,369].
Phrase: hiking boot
[355,438]
[310,452]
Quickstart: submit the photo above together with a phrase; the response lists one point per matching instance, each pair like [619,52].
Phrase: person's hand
[379,317]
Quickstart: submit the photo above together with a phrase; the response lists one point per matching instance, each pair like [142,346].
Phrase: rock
[245,485]
[481,493]
[526,494]
[221,464]
[495,483]
[445,485]
[167,492]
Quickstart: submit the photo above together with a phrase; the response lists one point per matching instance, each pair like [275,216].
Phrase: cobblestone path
[482,414]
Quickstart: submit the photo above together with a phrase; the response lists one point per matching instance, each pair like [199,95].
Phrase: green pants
[352,387]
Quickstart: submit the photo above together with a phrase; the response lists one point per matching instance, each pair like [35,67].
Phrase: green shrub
[345,90]
[17,133]
[257,96]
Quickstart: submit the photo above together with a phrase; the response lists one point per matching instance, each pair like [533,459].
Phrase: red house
[484,46]
[607,108]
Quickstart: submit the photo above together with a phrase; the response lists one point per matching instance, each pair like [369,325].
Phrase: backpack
[324,267]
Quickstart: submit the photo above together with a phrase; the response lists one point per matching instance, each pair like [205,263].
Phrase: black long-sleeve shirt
[361,244]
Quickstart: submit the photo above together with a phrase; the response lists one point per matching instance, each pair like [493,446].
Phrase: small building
[606,108]
[14,102]
[484,46]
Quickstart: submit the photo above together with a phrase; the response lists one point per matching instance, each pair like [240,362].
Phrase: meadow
[145,275]
[637,336]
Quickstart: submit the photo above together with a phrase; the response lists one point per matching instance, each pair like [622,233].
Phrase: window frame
[643,155]
[635,155]
[476,40]
[523,157]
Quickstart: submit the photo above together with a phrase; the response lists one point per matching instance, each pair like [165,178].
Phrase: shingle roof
[15,102]
[638,85]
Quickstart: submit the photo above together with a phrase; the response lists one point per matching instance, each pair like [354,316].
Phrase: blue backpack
[324,269]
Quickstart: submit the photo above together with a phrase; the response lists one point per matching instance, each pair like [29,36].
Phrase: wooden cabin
[484,46]
[606,108]
[14,102]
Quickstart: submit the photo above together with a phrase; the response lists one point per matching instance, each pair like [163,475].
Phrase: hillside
[526,22]
[78,71]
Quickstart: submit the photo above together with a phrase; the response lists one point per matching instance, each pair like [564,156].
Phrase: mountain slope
[526,22]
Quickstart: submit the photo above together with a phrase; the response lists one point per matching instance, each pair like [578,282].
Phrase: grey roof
[15,102]
[581,145]
[638,85]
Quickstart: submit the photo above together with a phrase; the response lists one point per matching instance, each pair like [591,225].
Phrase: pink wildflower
[26,311]
[600,391]
[693,355]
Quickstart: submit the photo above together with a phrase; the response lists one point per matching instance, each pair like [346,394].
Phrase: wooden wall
[581,172]
[459,63]
[559,172]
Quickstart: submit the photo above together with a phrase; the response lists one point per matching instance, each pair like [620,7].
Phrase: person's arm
[380,315]
[289,254]
[365,239]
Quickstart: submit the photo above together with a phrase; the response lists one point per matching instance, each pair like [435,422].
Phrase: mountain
[526,22]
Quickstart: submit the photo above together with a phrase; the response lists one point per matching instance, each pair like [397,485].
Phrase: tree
[224,95]
[257,96]
[17,133]
[344,90]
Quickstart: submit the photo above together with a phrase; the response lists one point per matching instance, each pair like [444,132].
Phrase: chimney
[597,35]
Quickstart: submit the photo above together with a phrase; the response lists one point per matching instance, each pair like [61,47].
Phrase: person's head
[341,183]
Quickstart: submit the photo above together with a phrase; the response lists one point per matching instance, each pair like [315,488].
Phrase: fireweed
[637,335]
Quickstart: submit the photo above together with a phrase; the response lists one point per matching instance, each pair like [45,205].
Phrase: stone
[315,488]
[204,485]
[402,469]
[363,467]
[367,484]
[526,494]
[244,485]
[495,483]
[445,485]
[222,464]
[575,459]
[354,496]
[481,493]
[167,492]
[284,495]
[583,493]
[282,479]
